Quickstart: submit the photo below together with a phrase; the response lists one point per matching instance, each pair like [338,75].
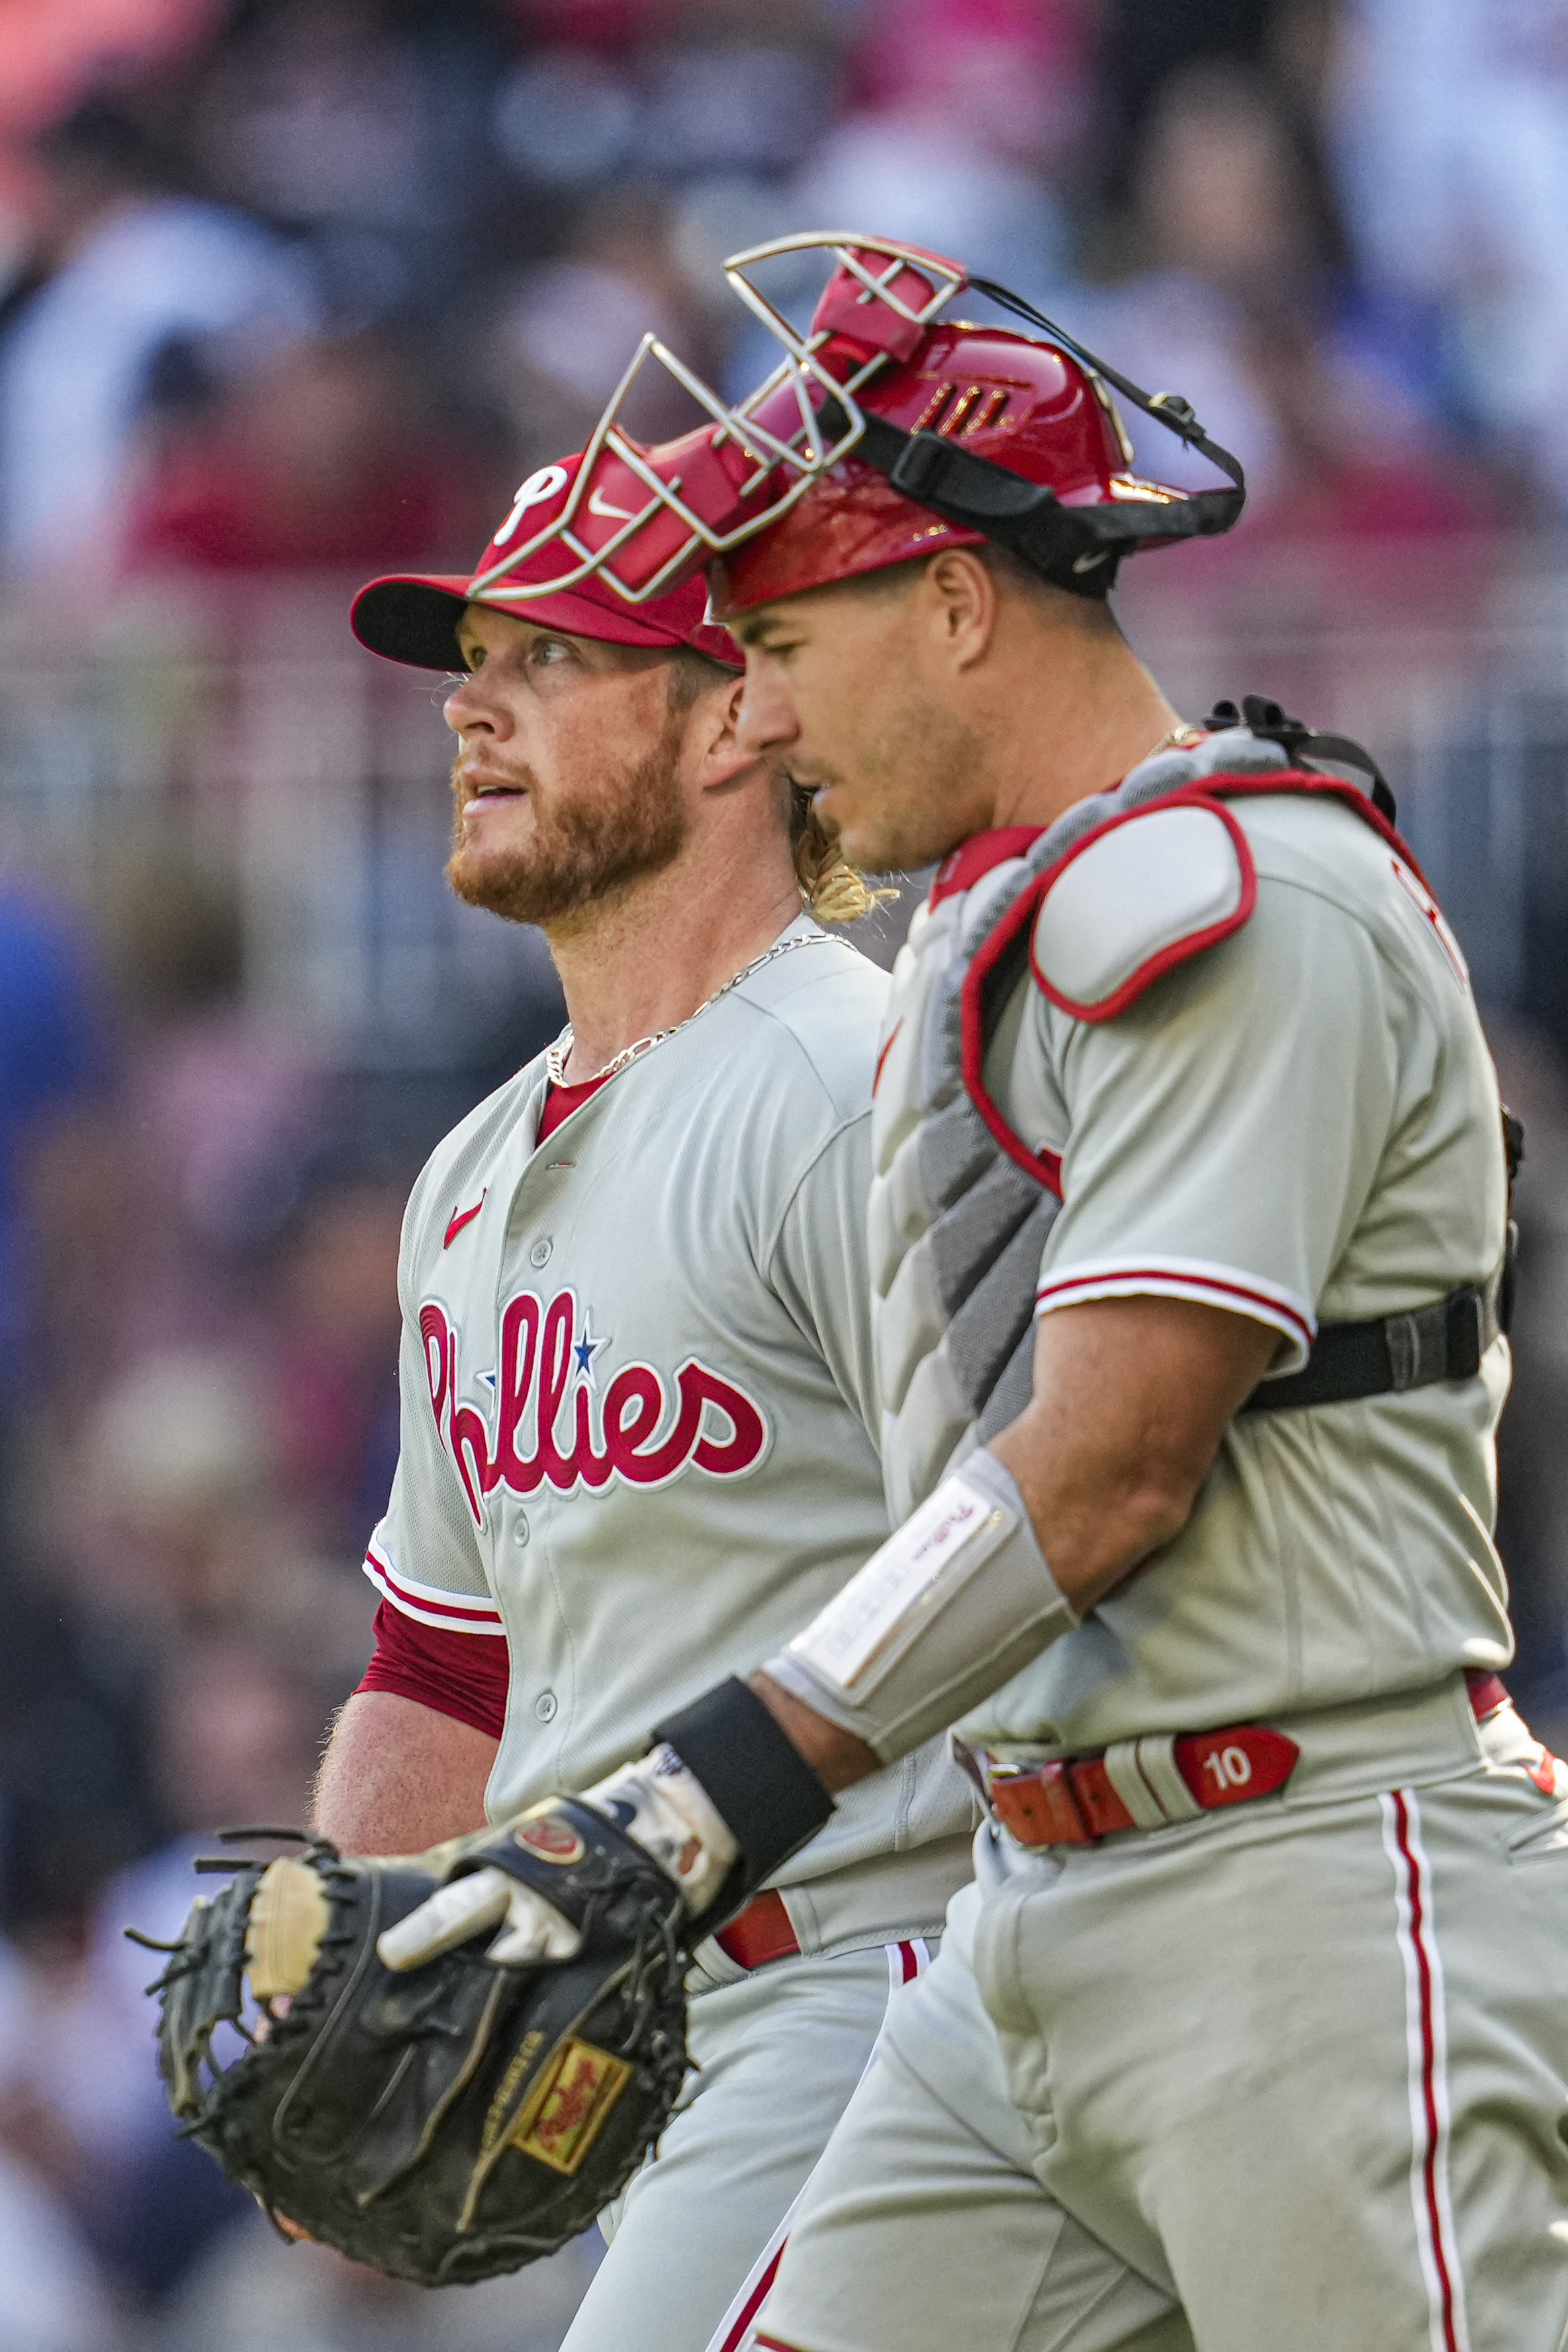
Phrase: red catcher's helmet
[884,434]
[412,616]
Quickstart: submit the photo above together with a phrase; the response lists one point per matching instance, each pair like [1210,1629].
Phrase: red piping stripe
[914,1957]
[883,1055]
[402,1598]
[1417,1895]
[752,2305]
[1197,1283]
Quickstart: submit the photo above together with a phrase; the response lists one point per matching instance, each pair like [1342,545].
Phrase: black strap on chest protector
[1443,1342]
[1270,724]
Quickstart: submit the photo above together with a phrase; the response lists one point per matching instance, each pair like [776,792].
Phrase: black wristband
[770,1800]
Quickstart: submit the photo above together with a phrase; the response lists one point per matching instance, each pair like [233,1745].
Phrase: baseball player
[1188,1244]
[638,1440]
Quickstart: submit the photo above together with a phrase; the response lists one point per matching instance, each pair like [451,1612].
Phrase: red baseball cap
[412,616]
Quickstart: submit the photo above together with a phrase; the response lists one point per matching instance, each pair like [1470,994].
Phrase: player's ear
[715,741]
[958,595]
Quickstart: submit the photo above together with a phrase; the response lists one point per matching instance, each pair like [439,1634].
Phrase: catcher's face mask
[883,401]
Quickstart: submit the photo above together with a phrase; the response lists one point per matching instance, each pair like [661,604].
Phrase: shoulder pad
[1136,898]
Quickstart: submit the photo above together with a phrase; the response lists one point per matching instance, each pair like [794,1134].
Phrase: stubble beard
[582,850]
[915,779]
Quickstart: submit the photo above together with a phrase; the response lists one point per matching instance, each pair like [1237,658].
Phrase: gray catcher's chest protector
[961,1207]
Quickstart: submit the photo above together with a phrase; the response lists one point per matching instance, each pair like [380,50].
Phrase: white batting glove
[532,1929]
[657,1803]
[665,1810]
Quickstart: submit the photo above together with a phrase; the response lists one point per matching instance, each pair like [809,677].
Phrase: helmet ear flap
[876,305]
[867,327]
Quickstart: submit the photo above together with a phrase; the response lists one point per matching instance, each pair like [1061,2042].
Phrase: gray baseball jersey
[637,1434]
[1299,1123]
[1292,2069]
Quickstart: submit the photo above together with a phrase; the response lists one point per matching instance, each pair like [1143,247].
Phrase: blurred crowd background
[291,290]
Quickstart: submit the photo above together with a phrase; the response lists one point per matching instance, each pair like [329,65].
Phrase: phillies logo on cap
[538,567]
[543,489]
[645,1430]
[537,491]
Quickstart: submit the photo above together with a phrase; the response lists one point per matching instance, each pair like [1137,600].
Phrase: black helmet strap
[1077,548]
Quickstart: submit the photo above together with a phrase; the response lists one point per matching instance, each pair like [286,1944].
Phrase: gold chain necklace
[1181,737]
[557,1053]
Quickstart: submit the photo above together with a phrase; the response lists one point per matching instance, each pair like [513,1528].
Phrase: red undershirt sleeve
[462,1675]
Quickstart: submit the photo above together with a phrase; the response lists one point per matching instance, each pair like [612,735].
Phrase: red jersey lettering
[549,1425]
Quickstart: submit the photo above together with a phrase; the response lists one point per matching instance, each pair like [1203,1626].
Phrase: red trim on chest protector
[1164,959]
[1205,791]
[973,859]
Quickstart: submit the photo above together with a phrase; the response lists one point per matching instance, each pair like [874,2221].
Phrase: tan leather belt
[1143,1784]
[760,1933]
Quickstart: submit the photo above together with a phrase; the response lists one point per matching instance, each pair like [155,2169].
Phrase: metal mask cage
[800,456]
[827,424]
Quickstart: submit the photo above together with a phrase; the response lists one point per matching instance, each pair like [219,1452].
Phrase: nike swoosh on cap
[598,504]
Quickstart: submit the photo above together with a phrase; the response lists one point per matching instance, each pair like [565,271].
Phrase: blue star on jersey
[585,1350]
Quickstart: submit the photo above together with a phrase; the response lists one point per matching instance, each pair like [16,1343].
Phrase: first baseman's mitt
[452,2121]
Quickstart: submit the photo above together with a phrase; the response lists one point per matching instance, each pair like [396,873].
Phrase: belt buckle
[1038,1805]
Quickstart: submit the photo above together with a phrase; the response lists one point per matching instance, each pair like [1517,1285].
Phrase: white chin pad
[958,1600]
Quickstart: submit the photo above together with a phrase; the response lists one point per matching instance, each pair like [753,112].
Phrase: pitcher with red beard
[639,1441]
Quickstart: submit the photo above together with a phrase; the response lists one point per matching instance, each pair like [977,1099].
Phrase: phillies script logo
[546,1376]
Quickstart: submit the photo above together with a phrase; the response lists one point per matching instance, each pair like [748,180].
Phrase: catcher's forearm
[398,1776]
[1132,1397]
[838,1758]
